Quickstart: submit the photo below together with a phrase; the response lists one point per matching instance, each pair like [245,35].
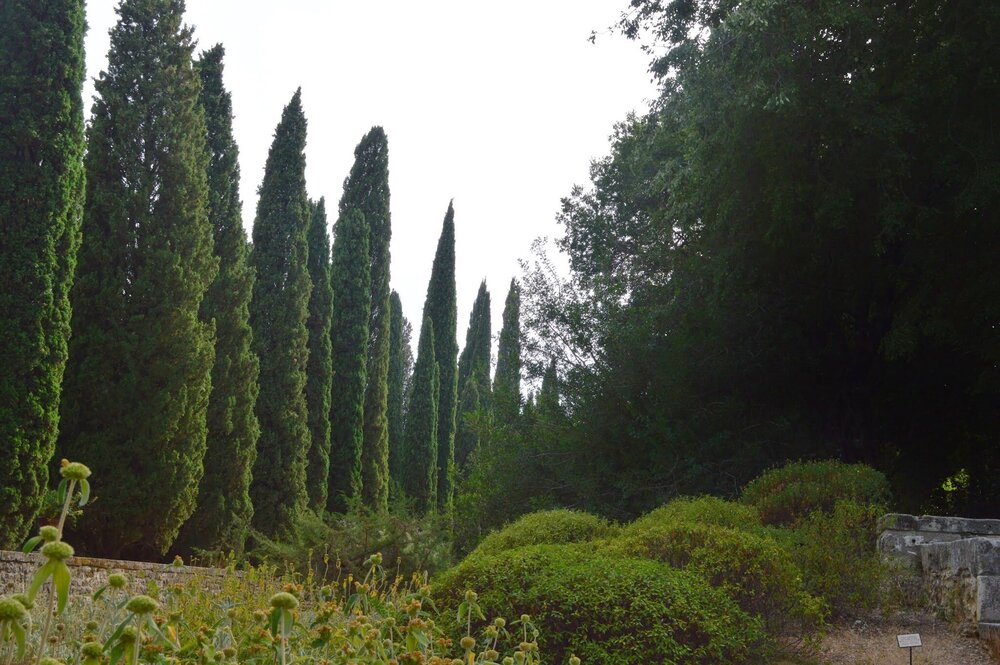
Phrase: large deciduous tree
[367,189]
[139,374]
[222,518]
[278,315]
[319,373]
[41,197]
[351,278]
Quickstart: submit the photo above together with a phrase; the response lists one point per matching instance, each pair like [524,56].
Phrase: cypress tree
[473,375]
[278,314]
[139,373]
[419,469]
[507,379]
[319,373]
[351,278]
[222,518]
[367,189]
[397,378]
[41,194]
[442,309]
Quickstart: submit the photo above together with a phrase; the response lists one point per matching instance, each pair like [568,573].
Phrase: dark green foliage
[139,375]
[791,255]
[397,383]
[548,527]
[367,189]
[319,372]
[605,610]
[339,546]
[419,467]
[442,308]
[278,315]
[223,514]
[786,495]
[351,278]
[752,569]
[707,510]
[474,378]
[41,194]
[507,379]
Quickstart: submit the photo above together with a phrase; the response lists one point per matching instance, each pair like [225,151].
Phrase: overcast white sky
[500,106]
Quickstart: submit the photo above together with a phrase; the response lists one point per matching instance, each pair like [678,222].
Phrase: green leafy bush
[702,510]
[838,557]
[752,569]
[786,495]
[547,527]
[606,609]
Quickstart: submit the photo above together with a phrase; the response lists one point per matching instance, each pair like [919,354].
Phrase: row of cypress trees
[216,386]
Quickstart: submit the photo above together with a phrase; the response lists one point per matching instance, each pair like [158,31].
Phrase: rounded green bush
[752,569]
[702,510]
[546,527]
[786,495]
[604,609]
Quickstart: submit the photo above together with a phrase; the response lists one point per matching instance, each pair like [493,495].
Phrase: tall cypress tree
[367,189]
[278,314]
[319,373]
[397,378]
[222,519]
[473,376]
[441,307]
[419,468]
[41,195]
[351,278]
[139,374]
[507,379]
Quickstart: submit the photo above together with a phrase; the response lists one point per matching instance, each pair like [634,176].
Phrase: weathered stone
[989,598]
[90,574]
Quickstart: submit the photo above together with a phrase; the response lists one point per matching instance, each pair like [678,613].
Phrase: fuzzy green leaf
[84,492]
[61,578]
[31,544]
[43,574]
[18,631]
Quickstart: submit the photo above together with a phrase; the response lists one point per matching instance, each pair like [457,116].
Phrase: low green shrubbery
[837,555]
[752,569]
[547,527]
[607,609]
[787,495]
[702,510]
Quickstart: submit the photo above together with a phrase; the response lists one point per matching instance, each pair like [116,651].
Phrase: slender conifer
[397,378]
[474,377]
[507,379]
[41,197]
[278,315]
[419,471]
[139,375]
[319,373]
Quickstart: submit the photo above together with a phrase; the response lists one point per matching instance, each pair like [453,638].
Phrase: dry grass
[873,642]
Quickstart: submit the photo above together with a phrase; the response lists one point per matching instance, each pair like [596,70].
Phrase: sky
[500,107]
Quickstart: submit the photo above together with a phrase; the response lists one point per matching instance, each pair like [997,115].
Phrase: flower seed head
[142,605]
[229,652]
[471,596]
[49,533]
[57,550]
[284,600]
[91,626]
[525,618]
[499,622]
[128,635]
[508,661]
[468,643]
[573,660]
[49,661]
[23,599]
[74,471]
[11,610]
[92,650]
[117,581]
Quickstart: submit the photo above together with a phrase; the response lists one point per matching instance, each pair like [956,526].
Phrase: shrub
[786,495]
[838,557]
[547,527]
[752,569]
[702,510]
[606,609]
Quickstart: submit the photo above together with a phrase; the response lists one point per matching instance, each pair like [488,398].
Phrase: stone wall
[90,574]
[957,559]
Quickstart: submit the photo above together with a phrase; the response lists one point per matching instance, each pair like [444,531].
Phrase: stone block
[988,596]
